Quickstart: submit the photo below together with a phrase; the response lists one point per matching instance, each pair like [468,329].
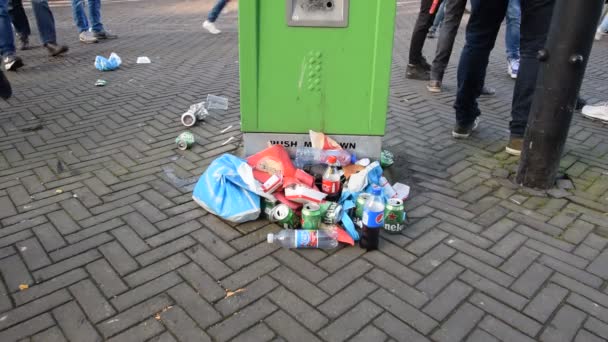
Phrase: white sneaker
[599,34]
[209,26]
[599,112]
[87,37]
[513,67]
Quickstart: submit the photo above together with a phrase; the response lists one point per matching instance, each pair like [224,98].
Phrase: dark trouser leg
[5,87]
[423,23]
[482,29]
[216,10]
[454,9]
[535,22]
[45,21]
[19,19]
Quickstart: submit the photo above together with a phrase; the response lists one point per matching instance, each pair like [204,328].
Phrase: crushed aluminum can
[100,83]
[185,140]
[386,159]
[332,212]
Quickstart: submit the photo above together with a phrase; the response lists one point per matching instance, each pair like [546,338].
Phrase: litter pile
[323,197]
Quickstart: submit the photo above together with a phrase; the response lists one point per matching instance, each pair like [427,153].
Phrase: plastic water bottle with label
[299,238]
[373,219]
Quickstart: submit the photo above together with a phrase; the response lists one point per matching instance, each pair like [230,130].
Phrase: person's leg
[604,25]
[482,29]
[46,27]
[80,18]
[447,35]
[20,22]
[513,26]
[424,21]
[95,15]
[438,19]
[535,22]
[7,40]
[5,87]
[216,11]
[45,21]
[512,37]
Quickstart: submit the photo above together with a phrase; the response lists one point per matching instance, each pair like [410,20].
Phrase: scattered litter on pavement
[23,287]
[225,129]
[143,60]
[101,83]
[58,191]
[108,64]
[199,111]
[386,159]
[322,199]
[217,102]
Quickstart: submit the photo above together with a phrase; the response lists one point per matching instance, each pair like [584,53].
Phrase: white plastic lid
[270,238]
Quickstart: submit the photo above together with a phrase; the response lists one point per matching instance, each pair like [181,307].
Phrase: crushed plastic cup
[217,102]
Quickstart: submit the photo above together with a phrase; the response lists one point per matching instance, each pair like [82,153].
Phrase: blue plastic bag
[108,64]
[228,189]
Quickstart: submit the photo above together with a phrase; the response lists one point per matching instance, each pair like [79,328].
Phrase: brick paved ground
[97,218]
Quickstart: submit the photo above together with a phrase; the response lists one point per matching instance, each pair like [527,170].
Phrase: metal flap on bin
[317,13]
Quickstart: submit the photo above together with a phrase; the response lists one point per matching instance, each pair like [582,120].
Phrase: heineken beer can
[311,216]
[332,212]
[394,216]
[285,217]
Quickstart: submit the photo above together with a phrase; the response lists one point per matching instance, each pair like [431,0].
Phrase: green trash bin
[321,65]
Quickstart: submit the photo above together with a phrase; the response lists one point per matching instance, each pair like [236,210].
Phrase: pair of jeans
[421,28]
[7,40]
[513,26]
[44,20]
[438,17]
[216,10]
[93,22]
[454,10]
[482,29]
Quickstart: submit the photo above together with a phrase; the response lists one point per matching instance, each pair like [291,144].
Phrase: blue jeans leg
[604,24]
[216,10]
[95,15]
[7,39]
[482,29]
[513,27]
[535,23]
[45,21]
[80,18]
[439,17]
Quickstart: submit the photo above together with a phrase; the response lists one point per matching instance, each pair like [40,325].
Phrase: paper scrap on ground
[143,60]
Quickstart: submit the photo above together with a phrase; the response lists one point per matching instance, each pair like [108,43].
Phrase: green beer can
[363,197]
[267,206]
[285,217]
[394,216]
[311,216]
[331,212]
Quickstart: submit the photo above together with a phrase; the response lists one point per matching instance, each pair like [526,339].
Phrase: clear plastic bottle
[310,156]
[373,219]
[331,184]
[299,238]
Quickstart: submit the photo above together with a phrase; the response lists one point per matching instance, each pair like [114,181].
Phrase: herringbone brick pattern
[96,215]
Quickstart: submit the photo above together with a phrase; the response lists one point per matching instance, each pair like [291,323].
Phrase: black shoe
[580,103]
[434,86]
[463,132]
[104,35]
[12,63]
[5,87]
[487,91]
[55,50]
[417,72]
